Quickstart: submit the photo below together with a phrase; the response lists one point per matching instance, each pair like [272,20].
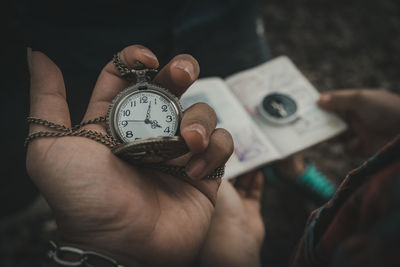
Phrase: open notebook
[257,141]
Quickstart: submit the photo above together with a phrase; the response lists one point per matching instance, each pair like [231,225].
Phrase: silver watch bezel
[136,88]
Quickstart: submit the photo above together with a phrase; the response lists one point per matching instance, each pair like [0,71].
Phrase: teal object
[316,182]
[312,181]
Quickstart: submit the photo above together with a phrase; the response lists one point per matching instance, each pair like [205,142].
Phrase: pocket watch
[144,110]
[145,118]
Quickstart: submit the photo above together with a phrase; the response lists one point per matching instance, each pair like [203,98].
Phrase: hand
[237,230]
[373,116]
[100,202]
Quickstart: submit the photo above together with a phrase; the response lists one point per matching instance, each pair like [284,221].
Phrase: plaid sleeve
[360,225]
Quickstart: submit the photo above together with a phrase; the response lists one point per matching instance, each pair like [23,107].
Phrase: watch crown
[138,73]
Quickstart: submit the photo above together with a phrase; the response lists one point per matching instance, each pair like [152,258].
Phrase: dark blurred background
[336,44]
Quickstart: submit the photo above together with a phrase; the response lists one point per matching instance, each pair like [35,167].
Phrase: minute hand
[147,120]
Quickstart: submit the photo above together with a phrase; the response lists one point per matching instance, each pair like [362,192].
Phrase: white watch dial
[145,115]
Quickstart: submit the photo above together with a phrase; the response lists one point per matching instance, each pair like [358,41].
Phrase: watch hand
[148,112]
[134,120]
[155,124]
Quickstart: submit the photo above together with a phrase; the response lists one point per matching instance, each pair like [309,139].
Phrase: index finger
[178,74]
[197,125]
[341,100]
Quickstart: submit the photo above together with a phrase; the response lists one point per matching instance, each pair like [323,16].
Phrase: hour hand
[154,124]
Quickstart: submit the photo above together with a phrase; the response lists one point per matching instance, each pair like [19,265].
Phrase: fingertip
[139,53]
[178,74]
[324,100]
[182,71]
[45,75]
[195,136]
[42,64]
[147,53]
[198,123]
[188,64]
[38,61]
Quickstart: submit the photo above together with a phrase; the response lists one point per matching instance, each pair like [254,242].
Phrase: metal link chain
[138,73]
[107,140]
[104,139]
[92,121]
[48,124]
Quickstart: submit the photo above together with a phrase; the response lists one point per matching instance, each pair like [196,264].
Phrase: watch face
[145,114]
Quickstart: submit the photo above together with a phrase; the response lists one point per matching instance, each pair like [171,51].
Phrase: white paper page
[281,75]
[251,148]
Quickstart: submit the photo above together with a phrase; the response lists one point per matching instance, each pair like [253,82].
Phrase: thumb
[343,100]
[47,91]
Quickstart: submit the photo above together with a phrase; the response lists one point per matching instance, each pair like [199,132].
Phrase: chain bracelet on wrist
[71,256]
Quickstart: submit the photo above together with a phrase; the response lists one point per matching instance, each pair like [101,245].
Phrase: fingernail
[198,128]
[196,169]
[29,59]
[186,66]
[148,54]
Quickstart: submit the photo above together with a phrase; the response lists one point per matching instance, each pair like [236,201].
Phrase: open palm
[102,203]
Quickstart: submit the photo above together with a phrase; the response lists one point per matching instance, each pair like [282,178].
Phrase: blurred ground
[336,44]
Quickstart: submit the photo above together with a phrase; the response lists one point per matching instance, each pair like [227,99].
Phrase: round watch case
[145,87]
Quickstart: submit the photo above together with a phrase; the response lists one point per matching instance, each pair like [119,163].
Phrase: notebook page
[281,76]
[251,148]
